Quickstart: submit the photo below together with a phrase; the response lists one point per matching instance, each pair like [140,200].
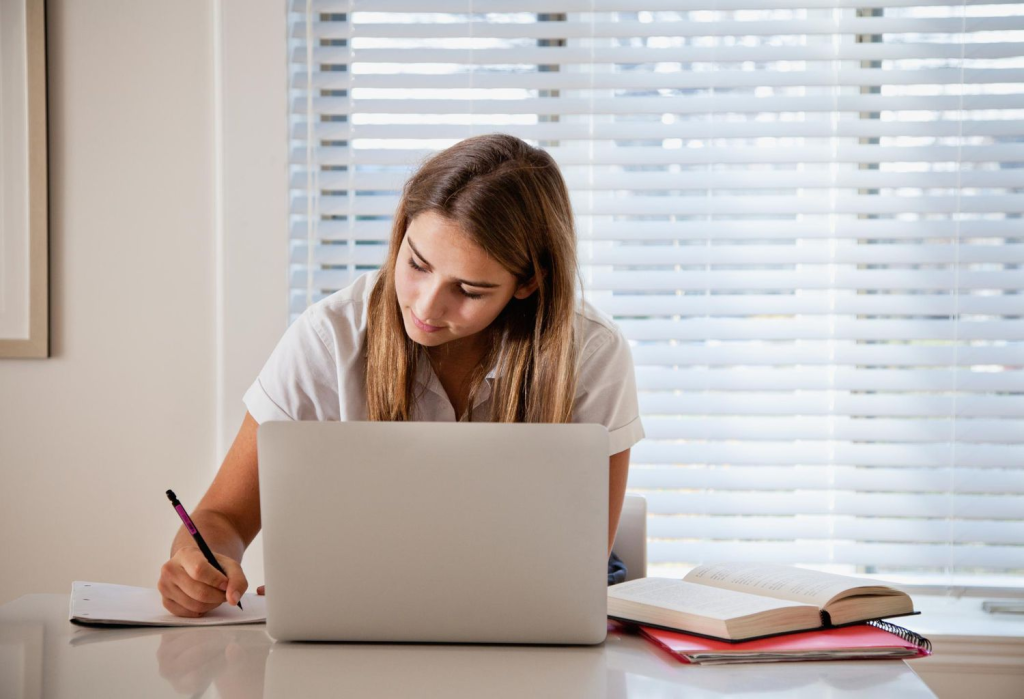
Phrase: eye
[412,263]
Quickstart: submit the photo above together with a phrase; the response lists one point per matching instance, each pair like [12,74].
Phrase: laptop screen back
[435,532]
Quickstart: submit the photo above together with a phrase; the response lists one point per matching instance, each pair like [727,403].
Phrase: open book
[738,601]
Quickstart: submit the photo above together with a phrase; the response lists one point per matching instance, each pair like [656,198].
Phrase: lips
[423,326]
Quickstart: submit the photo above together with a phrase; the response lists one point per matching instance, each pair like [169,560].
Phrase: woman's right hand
[191,587]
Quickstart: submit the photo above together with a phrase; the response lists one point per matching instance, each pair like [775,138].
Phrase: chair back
[631,536]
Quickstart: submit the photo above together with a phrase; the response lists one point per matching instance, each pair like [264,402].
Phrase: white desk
[42,654]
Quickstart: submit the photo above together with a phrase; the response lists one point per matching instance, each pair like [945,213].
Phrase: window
[805,215]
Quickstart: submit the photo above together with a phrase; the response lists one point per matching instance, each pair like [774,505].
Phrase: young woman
[473,316]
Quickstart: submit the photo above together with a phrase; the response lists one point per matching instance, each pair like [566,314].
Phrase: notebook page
[778,581]
[106,603]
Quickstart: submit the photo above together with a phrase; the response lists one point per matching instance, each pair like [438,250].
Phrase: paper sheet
[106,603]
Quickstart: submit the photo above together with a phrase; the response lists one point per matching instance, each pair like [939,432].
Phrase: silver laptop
[435,532]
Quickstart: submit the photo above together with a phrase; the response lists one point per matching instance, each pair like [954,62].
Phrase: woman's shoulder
[340,319]
[352,298]
[595,329]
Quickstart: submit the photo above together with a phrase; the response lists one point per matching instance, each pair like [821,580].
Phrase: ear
[525,290]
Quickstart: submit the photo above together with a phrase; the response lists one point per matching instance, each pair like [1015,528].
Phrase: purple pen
[196,535]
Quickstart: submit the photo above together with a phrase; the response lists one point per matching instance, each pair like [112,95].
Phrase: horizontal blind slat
[690,255]
[811,303]
[603,29]
[772,479]
[570,55]
[820,328]
[702,180]
[829,453]
[758,280]
[837,553]
[739,378]
[864,529]
[654,357]
[829,403]
[1006,431]
[722,230]
[690,206]
[564,6]
[837,503]
[821,77]
[723,104]
[808,279]
[1010,153]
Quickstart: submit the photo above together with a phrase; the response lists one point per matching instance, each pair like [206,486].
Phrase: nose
[431,304]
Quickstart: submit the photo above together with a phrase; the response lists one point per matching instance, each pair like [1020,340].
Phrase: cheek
[404,285]
[482,314]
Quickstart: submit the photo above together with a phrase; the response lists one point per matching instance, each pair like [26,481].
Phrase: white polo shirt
[317,372]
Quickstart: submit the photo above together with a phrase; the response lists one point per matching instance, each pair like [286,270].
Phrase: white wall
[168,236]
[125,408]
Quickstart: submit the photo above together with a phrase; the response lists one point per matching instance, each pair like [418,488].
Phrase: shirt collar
[426,378]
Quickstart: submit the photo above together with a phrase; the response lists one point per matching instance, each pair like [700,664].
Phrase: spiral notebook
[106,604]
[875,640]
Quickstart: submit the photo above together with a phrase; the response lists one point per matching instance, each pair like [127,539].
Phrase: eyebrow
[482,285]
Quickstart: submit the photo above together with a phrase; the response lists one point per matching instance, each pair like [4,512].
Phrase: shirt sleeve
[299,380]
[607,392]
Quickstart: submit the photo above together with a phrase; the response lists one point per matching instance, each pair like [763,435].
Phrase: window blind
[805,215]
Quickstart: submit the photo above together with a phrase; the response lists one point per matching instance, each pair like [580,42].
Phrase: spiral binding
[906,634]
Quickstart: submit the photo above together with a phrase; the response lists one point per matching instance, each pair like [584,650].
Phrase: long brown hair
[508,198]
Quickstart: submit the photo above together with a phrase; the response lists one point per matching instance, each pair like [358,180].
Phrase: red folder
[860,642]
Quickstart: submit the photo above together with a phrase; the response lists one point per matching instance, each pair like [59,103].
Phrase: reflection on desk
[44,655]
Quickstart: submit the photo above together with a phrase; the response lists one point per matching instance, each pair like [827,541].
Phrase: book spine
[906,634]
[826,620]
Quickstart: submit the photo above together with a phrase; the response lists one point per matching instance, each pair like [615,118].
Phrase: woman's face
[457,290]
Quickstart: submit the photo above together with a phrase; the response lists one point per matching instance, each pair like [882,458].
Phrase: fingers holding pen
[180,603]
[190,586]
[235,583]
[200,591]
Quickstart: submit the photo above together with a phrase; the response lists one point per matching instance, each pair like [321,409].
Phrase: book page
[778,581]
[698,600]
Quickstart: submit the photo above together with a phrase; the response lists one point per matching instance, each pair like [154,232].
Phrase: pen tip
[240,605]
[171,496]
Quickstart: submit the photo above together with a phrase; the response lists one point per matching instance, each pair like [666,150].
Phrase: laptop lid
[435,532]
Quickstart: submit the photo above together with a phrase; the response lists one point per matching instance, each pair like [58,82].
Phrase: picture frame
[24,198]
